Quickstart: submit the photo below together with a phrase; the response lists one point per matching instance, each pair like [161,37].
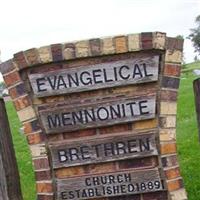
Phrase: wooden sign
[107,185]
[103,149]
[99,116]
[104,75]
[103,113]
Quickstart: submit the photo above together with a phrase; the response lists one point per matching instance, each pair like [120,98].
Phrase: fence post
[196,86]
[9,176]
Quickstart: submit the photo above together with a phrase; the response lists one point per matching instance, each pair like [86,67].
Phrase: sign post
[9,176]
[196,86]
[100,116]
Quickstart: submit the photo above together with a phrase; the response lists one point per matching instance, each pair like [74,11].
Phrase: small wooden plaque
[107,185]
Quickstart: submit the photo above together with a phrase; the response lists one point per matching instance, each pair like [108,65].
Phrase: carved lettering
[110,74]
[103,149]
[106,113]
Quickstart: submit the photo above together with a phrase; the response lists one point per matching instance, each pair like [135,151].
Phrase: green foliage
[180,37]
[2,85]
[195,35]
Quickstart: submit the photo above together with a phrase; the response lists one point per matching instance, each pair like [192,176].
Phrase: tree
[181,37]
[195,35]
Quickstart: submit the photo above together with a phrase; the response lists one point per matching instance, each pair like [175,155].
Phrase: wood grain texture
[107,185]
[103,149]
[196,87]
[9,176]
[97,114]
[92,77]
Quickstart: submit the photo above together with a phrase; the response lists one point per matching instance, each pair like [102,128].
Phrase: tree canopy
[195,35]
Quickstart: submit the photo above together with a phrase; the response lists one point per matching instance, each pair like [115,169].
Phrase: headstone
[100,116]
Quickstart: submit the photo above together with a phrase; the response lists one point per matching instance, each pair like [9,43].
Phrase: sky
[25,24]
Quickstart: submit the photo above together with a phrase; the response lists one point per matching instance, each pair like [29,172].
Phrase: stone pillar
[51,110]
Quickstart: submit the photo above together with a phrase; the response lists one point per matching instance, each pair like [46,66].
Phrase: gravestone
[100,116]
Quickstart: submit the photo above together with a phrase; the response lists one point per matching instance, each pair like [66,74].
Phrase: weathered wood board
[9,175]
[107,185]
[103,113]
[91,77]
[103,149]
[196,88]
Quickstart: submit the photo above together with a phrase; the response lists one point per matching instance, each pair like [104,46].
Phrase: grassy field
[191,66]
[187,137]
[187,141]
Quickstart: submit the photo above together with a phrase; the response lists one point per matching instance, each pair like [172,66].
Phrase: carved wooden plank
[107,185]
[104,75]
[118,110]
[103,149]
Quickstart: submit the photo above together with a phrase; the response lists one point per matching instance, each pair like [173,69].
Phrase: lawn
[187,137]
[187,142]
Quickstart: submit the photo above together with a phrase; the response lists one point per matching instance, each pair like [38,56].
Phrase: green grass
[187,141]
[187,137]
[191,66]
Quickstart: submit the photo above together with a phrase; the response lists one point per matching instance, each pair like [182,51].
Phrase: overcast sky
[34,23]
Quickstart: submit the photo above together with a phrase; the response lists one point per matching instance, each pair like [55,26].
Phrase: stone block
[172,70]
[56,50]
[20,59]
[82,49]
[26,114]
[32,56]
[44,187]
[41,163]
[69,51]
[168,148]
[159,40]
[45,54]
[108,46]
[17,91]
[7,66]
[35,138]
[95,47]
[121,44]
[134,42]
[173,56]
[38,150]
[168,122]
[22,102]
[167,134]
[179,195]
[12,78]
[147,40]
[168,108]
[170,82]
